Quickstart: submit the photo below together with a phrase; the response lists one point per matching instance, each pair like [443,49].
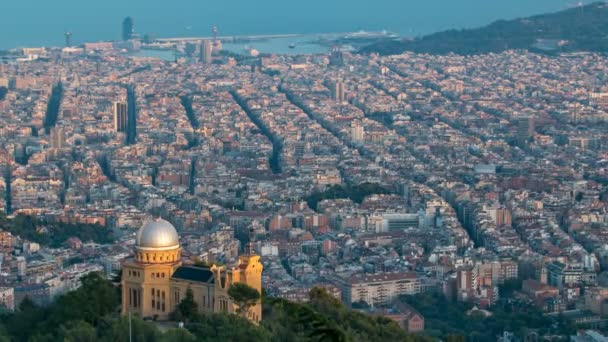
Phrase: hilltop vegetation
[578,29]
[54,234]
[445,319]
[91,313]
[324,318]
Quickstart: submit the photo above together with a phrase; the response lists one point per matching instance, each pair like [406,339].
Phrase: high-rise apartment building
[357,132]
[525,130]
[206,54]
[380,288]
[120,116]
[338,91]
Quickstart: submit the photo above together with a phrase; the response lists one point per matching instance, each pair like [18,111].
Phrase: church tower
[146,277]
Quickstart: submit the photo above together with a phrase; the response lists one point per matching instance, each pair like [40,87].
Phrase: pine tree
[244,296]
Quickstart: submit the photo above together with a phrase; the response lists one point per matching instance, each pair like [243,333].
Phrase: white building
[380,288]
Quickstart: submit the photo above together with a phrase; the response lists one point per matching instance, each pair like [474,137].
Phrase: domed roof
[157,234]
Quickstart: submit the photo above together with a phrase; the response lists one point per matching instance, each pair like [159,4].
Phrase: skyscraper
[206,55]
[127,28]
[338,91]
[68,39]
[357,131]
[120,116]
[525,130]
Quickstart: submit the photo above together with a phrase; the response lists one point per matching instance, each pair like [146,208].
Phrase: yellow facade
[248,271]
[154,281]
[145,289]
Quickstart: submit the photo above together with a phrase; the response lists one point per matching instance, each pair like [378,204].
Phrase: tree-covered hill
[91,313]
[54,234]
[576,29]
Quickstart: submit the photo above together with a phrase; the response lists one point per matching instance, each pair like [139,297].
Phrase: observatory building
[154,281]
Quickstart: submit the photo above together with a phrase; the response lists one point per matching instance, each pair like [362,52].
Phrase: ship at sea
[370,35]
[292,46]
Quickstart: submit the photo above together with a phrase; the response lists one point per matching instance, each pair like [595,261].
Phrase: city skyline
[99,21]
[359,187]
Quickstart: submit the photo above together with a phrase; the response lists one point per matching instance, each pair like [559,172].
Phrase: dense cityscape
[389,181]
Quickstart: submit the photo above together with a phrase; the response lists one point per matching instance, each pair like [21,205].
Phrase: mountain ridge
[583,28]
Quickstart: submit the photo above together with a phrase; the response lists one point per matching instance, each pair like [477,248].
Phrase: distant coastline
[290,43]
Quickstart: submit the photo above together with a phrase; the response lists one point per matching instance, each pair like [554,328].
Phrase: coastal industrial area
[481,178]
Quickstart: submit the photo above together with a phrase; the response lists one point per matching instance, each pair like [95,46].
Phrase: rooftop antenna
[216,42]
[68,39]
[215,31]
[579,4]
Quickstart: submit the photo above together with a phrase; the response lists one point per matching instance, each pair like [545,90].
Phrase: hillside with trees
[445,319]
[92,313]
[54,234]
[582,28]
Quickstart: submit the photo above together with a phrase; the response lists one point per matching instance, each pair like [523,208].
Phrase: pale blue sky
[31,22]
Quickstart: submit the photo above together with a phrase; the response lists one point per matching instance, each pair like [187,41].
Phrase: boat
[292,46]
[370,35]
